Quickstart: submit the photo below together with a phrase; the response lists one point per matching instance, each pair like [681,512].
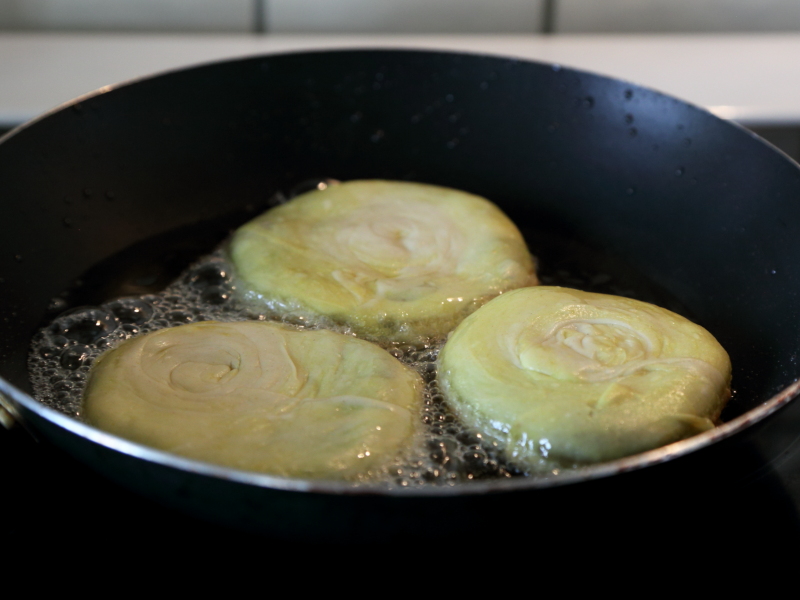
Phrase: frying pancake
[560,374]
[258,396]
[392,260]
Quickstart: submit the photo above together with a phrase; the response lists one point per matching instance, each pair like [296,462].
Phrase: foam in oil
[62,354]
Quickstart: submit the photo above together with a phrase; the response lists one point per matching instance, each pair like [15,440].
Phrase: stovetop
[754,495]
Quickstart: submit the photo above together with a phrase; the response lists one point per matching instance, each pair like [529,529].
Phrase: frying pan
[607,180]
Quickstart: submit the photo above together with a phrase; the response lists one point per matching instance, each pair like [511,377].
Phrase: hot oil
[63,352]
[448,453]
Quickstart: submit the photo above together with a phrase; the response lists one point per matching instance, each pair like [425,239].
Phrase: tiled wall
[676,15]
[401,16]
[405,16]
[127,15]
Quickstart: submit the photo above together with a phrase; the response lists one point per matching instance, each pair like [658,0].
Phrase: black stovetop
[49,496]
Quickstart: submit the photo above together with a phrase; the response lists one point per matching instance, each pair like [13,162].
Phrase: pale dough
[392,260]
[259,396]
[555,373]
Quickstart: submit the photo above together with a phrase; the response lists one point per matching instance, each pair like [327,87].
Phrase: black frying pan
[666,201]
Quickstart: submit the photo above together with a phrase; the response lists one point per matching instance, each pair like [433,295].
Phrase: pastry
[395,261]
[561,376]
[258,396]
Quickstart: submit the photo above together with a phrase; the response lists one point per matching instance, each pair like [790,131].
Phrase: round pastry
[258,396]
[559,374]
[392,260]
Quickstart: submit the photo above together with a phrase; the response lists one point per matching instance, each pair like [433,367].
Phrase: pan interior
[171,275]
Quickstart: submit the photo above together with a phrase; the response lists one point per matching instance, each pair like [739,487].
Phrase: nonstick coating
[702,209]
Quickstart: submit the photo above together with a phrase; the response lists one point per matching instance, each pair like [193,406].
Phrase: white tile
[127,15]
[404,16]
[596,16]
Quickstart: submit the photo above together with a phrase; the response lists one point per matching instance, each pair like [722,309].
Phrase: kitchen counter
[751,78]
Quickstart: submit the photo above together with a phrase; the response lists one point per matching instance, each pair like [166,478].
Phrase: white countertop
[752,78]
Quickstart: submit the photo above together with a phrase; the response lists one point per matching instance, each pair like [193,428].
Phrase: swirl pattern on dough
[561,374]
[258,396]
[393,260]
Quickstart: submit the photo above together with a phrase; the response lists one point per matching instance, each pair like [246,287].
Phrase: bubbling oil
[447,453]
[63,352]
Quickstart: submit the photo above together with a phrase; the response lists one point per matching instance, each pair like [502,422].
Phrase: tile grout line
[549,9]
[260,16]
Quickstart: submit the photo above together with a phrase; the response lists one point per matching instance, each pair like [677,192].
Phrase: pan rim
[559,478]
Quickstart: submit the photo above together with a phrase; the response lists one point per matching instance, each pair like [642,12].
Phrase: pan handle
[10,416]
[8,413]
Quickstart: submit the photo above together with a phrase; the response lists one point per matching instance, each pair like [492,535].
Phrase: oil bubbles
[64,351]
[84,325]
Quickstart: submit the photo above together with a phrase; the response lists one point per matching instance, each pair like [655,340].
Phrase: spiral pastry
[258,396]
[562,375]
[392,260]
